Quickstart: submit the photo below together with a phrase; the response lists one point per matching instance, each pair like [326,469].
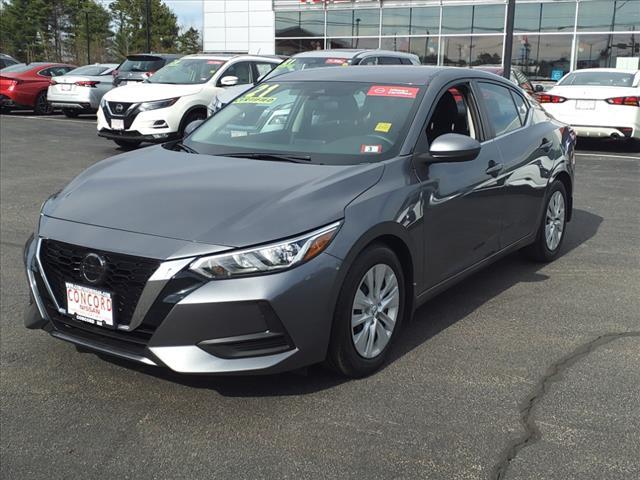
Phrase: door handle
[494,168]
[546,145]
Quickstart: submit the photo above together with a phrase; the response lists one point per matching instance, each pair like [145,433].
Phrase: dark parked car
[6,60]
[302,223]
[137,68]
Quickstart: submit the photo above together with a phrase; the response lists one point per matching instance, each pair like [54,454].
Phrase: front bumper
[155,126]
[263,324]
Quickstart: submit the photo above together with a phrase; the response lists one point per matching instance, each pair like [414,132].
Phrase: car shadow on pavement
[608,145]
[429,320]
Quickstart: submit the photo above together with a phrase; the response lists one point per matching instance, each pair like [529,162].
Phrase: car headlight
[145,106]
[267,258]
[103,102]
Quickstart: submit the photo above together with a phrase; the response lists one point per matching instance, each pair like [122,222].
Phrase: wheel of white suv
[368,313]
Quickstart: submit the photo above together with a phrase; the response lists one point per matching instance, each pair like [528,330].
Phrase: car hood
[233,202]
[148,92]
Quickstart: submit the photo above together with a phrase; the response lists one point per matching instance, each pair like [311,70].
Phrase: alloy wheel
[375,310]
[554,221]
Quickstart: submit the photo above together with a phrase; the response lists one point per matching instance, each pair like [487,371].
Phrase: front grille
[125,278]
[113,108]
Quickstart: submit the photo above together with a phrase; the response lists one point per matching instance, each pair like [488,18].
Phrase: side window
[501,110]
[264,68]
[406,61]
[521,105]
[47,72]
[242,70]
[369,61]
[452,114]
[389,61]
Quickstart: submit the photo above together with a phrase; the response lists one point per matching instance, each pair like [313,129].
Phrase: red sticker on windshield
[215,62]
[335,61]
[370,148]
[391,91]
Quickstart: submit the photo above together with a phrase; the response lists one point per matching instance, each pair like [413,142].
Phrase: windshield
[603,79]
[90,70]
[21,67]
[187,71]
[295,64]
[141,64]
[330,122]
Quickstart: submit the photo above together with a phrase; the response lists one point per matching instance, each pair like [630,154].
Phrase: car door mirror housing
[192,126]
[453,147]
[229,81]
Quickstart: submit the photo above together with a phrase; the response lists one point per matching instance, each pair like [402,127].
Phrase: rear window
[305,63]
[600,79]
[21,67]
[89,70]
[141,64]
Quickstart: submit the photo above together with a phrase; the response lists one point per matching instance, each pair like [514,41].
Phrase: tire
[70,112]
[555,215]
[344,356]
[42,107]
[5,110]
[128,144]
[191,117]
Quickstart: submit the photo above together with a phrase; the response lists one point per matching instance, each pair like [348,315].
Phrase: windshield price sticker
[335,61]
[214,62]
[393,91]
[383,127]
[370,148]
[259,95]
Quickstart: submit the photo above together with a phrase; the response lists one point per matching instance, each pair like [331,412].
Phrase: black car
[139,67]
[6,60]
[302,223]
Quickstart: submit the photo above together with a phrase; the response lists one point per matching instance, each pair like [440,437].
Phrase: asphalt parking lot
[520,372]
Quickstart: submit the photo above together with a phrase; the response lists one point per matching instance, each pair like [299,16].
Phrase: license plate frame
[81,305]
[585,104]
[65,87]
[117,124]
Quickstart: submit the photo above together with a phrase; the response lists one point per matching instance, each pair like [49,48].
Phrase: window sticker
[393,91]
[370,148]
[214,62]
[383,127]
[259,95]
[335,61]
[238,133]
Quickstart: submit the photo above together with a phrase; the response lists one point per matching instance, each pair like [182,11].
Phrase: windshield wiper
[277,157]
[184,148]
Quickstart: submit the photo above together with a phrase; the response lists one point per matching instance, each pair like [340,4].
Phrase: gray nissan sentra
[303,223]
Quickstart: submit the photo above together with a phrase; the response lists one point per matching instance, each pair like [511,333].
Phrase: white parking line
[54,119]
[595,154]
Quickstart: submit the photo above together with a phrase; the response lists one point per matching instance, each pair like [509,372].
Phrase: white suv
[160,108]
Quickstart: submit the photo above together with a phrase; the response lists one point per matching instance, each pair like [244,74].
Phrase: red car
[24,85]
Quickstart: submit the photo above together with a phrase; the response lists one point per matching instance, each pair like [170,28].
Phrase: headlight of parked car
[268,258]
[146,106]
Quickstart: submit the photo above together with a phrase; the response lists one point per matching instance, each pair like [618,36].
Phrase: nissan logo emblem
[93,268]
[119,108]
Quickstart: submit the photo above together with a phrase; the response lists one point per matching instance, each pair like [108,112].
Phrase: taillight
[87,83]
[53,82]
[629,101]
[13,84]
[546,98]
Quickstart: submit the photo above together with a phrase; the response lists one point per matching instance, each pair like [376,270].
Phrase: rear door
[526,149]
[462,215]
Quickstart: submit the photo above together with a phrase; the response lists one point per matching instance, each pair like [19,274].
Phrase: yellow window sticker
[383,127]
[257,100]
[259,95]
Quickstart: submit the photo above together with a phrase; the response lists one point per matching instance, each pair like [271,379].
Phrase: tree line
[57,30]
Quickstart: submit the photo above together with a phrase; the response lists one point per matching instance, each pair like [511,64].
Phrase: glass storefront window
[410,21]
[352,43]
[291,46]
[426,48]
[542,57]
[545,17]
[472,51]
[300,24]
[488,18]
[457,19]
[606,15]
[348,23]
[596,51]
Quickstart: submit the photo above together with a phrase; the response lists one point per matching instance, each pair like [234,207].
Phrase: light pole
[508,40]
[86,18]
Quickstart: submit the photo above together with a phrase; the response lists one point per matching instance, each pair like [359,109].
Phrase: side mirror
[192,126]
[229,81]
[453,147]
[538,88]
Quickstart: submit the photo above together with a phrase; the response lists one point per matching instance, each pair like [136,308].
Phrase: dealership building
[551,37]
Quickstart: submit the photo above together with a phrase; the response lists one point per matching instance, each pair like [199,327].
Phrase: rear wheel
[128,144]
[42,106]
[70,112]
[551,231]
[368,313]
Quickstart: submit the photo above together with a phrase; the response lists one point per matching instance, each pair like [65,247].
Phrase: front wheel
[368,313]
[551,231]
[42,106]
[70,112]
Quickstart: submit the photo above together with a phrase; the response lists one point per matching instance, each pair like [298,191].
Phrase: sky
[189,12]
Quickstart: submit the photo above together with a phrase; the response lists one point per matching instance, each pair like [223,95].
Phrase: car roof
[159,55]
[392,74]
[229,56]
[350,53]
[621,70]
